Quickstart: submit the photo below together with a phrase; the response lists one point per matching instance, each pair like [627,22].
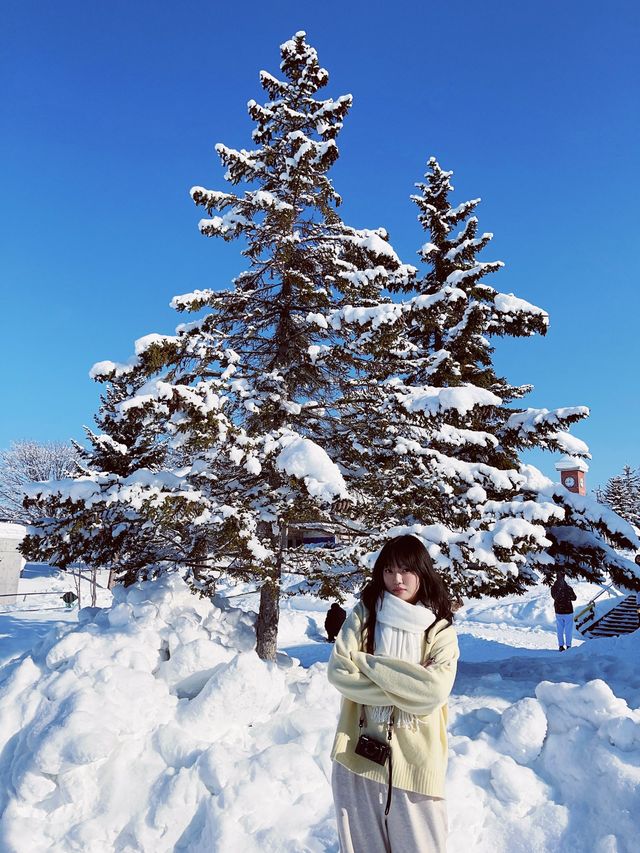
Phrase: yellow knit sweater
[419,757]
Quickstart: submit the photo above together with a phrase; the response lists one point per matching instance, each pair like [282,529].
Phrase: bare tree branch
[27,462]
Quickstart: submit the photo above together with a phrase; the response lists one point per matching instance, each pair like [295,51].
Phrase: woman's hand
[417,688]
[343,672]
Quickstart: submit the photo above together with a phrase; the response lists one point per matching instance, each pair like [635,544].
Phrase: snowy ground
[144,729]
[39,606]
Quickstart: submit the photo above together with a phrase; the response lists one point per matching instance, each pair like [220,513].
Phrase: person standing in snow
[563,598]
[394,662]
[334,621]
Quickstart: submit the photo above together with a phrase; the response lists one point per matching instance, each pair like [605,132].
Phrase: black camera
[374,750]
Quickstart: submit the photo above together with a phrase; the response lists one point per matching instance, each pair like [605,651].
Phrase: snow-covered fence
[11,560]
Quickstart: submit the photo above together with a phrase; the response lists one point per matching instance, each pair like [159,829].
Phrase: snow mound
[514,610]
[154,726]
[524,727]
[557,770]
[8,530]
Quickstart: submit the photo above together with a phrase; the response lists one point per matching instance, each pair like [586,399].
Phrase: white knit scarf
[398,634]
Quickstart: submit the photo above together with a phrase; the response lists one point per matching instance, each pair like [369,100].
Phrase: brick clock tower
[572,474]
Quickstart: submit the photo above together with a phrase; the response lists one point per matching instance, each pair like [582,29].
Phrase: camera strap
[363,722]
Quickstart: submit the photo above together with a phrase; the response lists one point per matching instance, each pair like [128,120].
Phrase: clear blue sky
[110,113]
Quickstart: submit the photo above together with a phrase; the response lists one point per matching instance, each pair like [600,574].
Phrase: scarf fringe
[401,720]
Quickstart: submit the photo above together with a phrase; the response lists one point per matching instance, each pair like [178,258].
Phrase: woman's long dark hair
[404,552]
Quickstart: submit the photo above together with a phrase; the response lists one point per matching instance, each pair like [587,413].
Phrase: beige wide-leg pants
[416,823]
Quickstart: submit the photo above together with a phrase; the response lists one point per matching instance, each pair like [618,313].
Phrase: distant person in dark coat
[334,620]
[563,598]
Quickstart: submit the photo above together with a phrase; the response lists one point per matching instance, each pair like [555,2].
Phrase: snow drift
[153,726]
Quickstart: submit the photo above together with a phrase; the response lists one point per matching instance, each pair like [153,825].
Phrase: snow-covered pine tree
[93,515]
[622,494]
[444,432]
[248,395]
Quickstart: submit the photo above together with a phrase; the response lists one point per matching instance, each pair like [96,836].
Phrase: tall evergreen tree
[240,395]
[622,494]
[443,448]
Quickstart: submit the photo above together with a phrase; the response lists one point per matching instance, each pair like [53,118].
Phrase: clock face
[569,481]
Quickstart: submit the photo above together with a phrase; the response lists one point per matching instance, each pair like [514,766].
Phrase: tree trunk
[269,613]
[268,617]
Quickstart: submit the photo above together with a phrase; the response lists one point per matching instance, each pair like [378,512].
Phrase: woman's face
[402,583]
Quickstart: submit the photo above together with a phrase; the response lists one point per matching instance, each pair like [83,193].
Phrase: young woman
[394,662]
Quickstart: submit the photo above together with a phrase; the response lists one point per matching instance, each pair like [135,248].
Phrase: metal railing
[20,597]
[24,594]
[587,614]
